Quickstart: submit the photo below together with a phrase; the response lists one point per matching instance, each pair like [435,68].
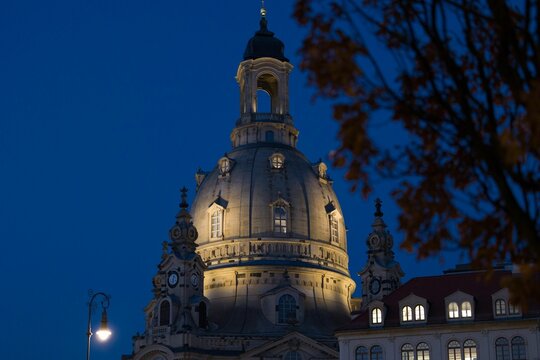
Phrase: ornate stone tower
[178,311]
[382,274]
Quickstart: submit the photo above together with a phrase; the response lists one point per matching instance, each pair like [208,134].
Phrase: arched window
[376,316]
[224,166]
[376,353]
[286,309]
[269,136]
[419,313]
[502,350]
[406,313]
[469,350]
[518,348]
[361,353]
[454,350]
[280,220]
[216,224]
[202,315]
[292,355]
[453,310]
[500,307]
[334,234]
[164,313]
[407,352]
[422,351]
[466,309]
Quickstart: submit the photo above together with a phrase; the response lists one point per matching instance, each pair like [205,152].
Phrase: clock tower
[179,307]
[382,274]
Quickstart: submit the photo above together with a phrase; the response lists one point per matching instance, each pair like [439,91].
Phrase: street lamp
[104,332]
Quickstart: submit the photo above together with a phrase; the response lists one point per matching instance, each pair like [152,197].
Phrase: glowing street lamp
[104,332]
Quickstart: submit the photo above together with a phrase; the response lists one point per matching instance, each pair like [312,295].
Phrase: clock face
[194,280]
[375,286]
[173,279]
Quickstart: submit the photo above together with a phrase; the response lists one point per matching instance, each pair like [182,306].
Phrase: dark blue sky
[107,108]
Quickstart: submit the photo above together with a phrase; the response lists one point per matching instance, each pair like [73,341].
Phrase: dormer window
[406,313]
[225,166]
[453,310]
[500,307]
[419,313]
[286,309]
[334,230]
[376,316]
[216,224]
[277,161]
[466,309]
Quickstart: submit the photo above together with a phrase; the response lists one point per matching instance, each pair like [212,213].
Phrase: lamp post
[103,333]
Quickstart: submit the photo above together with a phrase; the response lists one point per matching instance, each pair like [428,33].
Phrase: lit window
[334,235]
[422,351]
[164,313]
[376,316]
[419,313]
[469,350]
[454,350]
[224,166]
[361,353]
[216,224]
[513,309]
[406,313]
[466,309]
[453,310]
[518,348]
[280,220]
[277,161]
[500,307]
[502,350]
[286,309]
[407,352]
[292,355]
[376,353]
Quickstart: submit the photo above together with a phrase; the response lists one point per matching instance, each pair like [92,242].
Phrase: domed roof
[251,188]
[264,44]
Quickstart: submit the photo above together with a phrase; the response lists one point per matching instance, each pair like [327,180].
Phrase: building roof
[265,44]
[435,289]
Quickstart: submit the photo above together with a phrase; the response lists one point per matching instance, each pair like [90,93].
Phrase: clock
[375,286]
[173,279]
[194,280]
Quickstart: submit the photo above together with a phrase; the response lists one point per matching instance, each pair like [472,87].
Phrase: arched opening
[164,313]
[267,89]
[286,309]
[264,101]
[202,314]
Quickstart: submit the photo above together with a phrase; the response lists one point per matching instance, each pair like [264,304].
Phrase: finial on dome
[263,9]
[378,204]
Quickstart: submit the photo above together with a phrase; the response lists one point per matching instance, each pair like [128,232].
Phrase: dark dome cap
[264,44]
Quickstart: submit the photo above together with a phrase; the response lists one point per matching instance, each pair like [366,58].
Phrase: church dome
[264,44]
[246,188]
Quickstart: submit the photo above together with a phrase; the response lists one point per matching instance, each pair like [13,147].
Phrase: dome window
[280,220]
[164,313]
[225,166]
[286,309]
[216,224]
[277,161]
[334,230]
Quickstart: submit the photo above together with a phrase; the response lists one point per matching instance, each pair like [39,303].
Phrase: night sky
[107,108]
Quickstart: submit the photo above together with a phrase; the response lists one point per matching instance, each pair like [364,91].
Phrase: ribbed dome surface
[253,186]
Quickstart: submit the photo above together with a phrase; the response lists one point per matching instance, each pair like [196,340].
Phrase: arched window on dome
[286,309]
[334,228]
[280,220]
[164,313]
[277,161]
[216,224]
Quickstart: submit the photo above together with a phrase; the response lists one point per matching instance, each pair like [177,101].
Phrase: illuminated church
[258,267]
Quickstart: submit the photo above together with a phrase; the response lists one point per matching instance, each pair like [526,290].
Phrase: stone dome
[265,44]
[249,190]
